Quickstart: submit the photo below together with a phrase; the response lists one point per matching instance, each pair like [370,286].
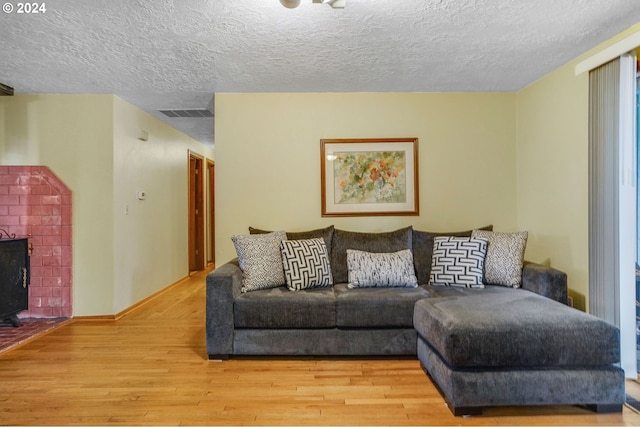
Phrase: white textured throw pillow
[306,264]
[260,260]
[505,255]
[373,270]
[458,261]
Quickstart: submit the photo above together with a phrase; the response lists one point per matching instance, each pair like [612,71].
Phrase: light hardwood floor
[151,368]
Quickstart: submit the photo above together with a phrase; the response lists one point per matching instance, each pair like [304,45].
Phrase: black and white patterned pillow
[374,270]
[306,264]
[458,261]
[260,260]
[505,255]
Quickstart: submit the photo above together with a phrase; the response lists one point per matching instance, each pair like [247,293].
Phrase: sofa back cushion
[392,241]
[423,249]
[326,233]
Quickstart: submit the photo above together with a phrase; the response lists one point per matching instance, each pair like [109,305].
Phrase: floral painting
[370,177]
[366,177]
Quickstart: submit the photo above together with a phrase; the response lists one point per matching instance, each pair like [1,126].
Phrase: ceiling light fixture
[291,4]
[336,4]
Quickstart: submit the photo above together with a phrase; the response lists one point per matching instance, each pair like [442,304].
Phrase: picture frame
[369,177]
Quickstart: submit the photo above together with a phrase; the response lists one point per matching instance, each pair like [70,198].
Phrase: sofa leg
[460,411]
[218,357]
[605,408]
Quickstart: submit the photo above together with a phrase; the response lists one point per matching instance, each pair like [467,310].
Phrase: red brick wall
[35,203]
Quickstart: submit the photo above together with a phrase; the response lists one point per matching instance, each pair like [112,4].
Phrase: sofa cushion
[422,242]
[325,233]
[392,241]
[458,261]
[279,308]
[503,327]
[306,264]
[371,270]
[505,255]
[260,260]
[376,307]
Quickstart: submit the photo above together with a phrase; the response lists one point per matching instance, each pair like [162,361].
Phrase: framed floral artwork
[369,177]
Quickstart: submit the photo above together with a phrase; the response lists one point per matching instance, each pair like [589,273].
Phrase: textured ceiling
[176,54]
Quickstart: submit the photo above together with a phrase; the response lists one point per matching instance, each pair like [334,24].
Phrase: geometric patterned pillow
[374,270]
[306,264]
[422,242]
[458,261]
[505,254]
[260,260]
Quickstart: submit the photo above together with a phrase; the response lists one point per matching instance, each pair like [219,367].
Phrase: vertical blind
[612,201]
[604,112]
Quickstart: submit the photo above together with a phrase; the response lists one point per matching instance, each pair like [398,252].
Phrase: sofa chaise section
[499,346]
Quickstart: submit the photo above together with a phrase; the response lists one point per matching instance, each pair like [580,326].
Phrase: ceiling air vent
[178,114]
[6,90]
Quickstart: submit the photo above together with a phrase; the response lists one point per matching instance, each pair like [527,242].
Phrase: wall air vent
[180,114]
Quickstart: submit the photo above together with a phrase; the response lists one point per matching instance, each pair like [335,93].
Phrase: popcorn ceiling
[169,54]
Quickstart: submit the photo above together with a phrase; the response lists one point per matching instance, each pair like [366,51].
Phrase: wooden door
[212,212]
[196,214]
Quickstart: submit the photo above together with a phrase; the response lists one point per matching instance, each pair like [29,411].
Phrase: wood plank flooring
[151,368]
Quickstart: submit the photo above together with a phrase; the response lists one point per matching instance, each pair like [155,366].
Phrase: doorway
[196,213]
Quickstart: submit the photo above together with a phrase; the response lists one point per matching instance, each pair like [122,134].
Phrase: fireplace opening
[14,279]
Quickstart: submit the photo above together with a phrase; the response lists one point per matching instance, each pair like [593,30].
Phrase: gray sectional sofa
[482,347]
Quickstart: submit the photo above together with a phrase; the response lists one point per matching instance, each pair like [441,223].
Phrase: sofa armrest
[223,286]
[545,281]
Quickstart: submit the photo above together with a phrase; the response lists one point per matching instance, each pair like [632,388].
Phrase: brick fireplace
[35,203]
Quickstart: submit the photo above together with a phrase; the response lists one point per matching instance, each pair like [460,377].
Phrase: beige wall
[268,165]
[552,170]
[552,173]
[72,135]
[90,142]
[150,242]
